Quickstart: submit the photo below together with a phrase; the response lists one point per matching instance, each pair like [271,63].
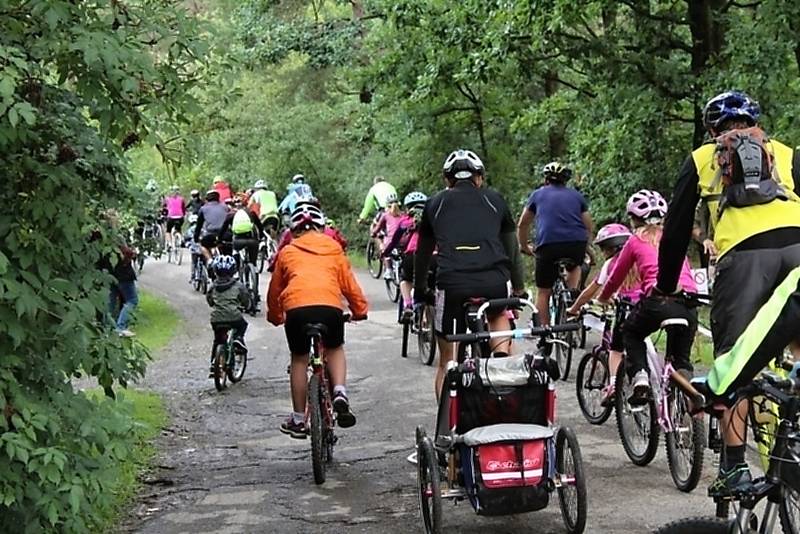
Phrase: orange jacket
[312,270]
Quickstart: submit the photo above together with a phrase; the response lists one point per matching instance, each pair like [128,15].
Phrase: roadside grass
[357,258]
[156,323]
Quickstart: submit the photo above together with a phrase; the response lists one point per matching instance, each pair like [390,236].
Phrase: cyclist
[474,231]
[611,238]
[264,203]
[296,190]
[221,187]
[195,202]
[210,219]
[563,227]
[756,306]
[242,229]
[640,255]
[311,276]
[387,224]
[226,297]
[406,238]
[377,198]
[176,211]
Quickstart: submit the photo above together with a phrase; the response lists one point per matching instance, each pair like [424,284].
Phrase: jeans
[126,292]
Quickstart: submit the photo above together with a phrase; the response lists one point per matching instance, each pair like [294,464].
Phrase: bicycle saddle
[569,263]
[315,329]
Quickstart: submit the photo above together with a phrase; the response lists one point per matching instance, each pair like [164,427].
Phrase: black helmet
[212,195]
[462,164]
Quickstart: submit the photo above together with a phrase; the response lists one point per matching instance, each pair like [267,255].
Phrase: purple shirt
[559,215]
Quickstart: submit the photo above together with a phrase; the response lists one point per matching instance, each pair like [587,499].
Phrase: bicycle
[320,416]
[668,411]
[393,282]
[248,275]
[373,248]
[267,248]
[593,372]
[228,363]
[780,486]
[199,276]
[175,248]
[560,301]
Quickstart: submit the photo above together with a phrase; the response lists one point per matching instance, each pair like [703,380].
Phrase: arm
[369,202]
[226,225]
[619,272]
[589,224]
[276,286]
[585,296]
[512,251]
[243,296]
[257,222]
[524,231]
[796,170]
[210,296]
[395,239]
[422,259]
[380,226]
[678,228]
[198,227]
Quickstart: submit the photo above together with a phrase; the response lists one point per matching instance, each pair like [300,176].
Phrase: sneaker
[341,406]
[211,371]
[239,346]
[125,333]
[729,483]
[641,389]
[387,274]
[412,458]
[294,430]
[608,395]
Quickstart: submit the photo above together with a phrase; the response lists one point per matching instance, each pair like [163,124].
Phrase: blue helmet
[730,105]
[224,265]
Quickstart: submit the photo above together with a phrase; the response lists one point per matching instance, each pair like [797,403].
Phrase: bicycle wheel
[563,353]
[220,372]
[429,486]
[196,274]
[637,425]
[318,445]
[374,263]
[261,259]
[685,444]
[406,334]
[178,249]
[592,377]
[789,511]
[236,366]
[572,491]
[696,525]
[169,253]
[426,344]
[251,278]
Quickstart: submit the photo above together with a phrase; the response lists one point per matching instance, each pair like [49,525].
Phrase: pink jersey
[176,207]
[389,224]
[644,256]
[631,293]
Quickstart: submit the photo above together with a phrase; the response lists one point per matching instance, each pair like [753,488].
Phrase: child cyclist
[647,210]
[405,238]
[227,296]
[311,276]
[388,224]
[611,239]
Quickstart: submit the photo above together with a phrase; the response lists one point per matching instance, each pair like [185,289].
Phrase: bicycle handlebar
[517,333]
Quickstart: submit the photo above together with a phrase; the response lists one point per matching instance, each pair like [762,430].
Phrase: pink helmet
[646,204]
[612,236]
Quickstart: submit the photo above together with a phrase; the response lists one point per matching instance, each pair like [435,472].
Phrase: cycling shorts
[407,269]
[174,224]
[248,242]
[209,240]
[547,257]
[297,319]
[450,316]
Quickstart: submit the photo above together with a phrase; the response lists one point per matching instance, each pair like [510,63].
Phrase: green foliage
[156,321]
[80,82]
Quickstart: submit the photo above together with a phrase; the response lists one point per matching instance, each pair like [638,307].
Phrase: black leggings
[645,319]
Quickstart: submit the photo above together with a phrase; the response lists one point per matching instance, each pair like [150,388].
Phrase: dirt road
[225,467]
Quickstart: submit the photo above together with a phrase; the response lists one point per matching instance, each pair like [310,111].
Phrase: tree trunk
[707,40]
[555,135]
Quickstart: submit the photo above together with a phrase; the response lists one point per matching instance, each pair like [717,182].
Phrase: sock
[732,456]
[298,417]
[339,389]
[612,380]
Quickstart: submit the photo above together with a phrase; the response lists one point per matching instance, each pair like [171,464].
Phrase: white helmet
[391,198]
[414,198]
[461,165]
[306,215]
[260,184]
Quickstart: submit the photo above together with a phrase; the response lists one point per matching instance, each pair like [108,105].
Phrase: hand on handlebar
[527,249]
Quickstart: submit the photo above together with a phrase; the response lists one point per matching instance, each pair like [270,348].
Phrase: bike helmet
[230,201]
[612,236]
[192,218]
[175,189]
[212,195]
[391,198]
[647,205]
[259,184]
[557,172]
[298,179]
[462,164]
[730,105]
[224,266]
[195,193]
[414,198]
[151,186]
[306,216]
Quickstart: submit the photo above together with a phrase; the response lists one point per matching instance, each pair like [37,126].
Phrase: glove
[359,317]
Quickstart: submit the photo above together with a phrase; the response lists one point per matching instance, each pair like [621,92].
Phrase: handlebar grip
[567,327]
[467,338]
[510,302]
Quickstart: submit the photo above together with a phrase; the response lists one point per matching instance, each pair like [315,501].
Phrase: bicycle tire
[252,288]
[220,373]
[261,258]
[237,366]
[591,408]
[640,420]
[789,511]
[429,486]
[563,354]
[316,430]
[696,525]
[426,341]
[566,437]
[374,265]
[179,251]
[696,442]
[406,334]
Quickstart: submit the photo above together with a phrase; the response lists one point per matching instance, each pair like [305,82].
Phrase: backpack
[756,185]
